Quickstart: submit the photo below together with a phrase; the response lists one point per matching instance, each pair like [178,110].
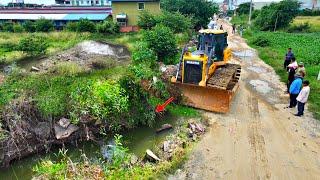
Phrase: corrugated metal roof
[67,17]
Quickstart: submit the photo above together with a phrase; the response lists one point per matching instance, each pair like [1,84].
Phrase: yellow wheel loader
[204,76]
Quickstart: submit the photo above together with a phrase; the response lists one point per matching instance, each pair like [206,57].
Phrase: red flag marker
[161,108]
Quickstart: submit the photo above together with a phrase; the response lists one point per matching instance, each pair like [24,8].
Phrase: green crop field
[306,47]
[314,22]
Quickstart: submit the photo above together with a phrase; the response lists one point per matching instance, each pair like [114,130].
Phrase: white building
[61,2]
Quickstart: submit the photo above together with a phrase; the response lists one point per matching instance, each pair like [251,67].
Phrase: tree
[175,21]
[277,15]
[244,8]
[44,25]
[200,10]
[161,40]
[33,45]
[147,20]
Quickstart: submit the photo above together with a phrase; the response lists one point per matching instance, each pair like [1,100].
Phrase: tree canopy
[200,10]
[244,8]
[277,15]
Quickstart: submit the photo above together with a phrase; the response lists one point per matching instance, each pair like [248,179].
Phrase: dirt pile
[87,55]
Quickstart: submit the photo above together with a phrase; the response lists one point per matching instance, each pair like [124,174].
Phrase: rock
[164,127]
[35,69]
[63,122]
[62,133]
[151,155]
[134,159]
[42,130]
[166,146]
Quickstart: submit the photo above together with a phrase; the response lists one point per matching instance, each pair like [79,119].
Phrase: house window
[97,2]
[141,6]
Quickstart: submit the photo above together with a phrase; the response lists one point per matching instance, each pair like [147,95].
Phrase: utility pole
[250,12]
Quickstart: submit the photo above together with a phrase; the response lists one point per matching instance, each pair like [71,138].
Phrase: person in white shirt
[303,97]
[293,63]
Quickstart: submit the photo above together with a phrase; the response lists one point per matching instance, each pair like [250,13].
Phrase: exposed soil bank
[26,130]
[258,138]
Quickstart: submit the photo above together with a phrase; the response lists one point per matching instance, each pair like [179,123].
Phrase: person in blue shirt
[294,91]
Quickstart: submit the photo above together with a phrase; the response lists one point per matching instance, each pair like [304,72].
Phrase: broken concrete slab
[152,156]
[64,122]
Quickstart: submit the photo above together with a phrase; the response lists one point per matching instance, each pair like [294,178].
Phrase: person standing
[303,98]
[291,72]
[221,27]
[241,30]
[233,28]
[294,91]
[288,57]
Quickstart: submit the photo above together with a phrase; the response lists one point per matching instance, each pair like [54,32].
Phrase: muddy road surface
[258,139]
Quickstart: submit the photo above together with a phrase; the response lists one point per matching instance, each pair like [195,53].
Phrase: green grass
[306,47]
[57,41]
[314,22]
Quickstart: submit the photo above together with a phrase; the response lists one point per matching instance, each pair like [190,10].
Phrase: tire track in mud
[259,163]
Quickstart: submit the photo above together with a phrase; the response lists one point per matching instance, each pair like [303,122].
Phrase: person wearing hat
[301,70]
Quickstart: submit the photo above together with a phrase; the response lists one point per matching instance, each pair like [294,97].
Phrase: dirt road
[258,139]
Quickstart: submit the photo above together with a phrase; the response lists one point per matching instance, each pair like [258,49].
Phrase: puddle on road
[257,69]
[261,86]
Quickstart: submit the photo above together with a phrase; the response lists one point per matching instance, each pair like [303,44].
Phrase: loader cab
[215,40]
[193,68]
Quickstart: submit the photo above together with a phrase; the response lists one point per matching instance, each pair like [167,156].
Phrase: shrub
[140,112]
[142,71]
[177,22]
[33,45]
[142,54]
[8,46]
[261,41]
[161,40]
[44,25]
[29,26]
[108,27]
[305,27]
[17,28]
[7,27]
[147,20]
[71,26]
[102,100]
[84,25]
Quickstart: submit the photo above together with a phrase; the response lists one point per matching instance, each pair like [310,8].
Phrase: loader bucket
[207,98]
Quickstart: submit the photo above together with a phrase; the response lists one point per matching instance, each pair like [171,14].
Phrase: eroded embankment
[25,130]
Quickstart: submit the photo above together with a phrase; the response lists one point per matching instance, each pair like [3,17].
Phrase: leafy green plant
[17,28]
[261,41]
[85,25]
[71,26]
[142,71]
[33,45]
[177,22]
[7,27]
[44,25]
[161,40]
[142,54]
[147,20]
[29,26]
[107,27]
